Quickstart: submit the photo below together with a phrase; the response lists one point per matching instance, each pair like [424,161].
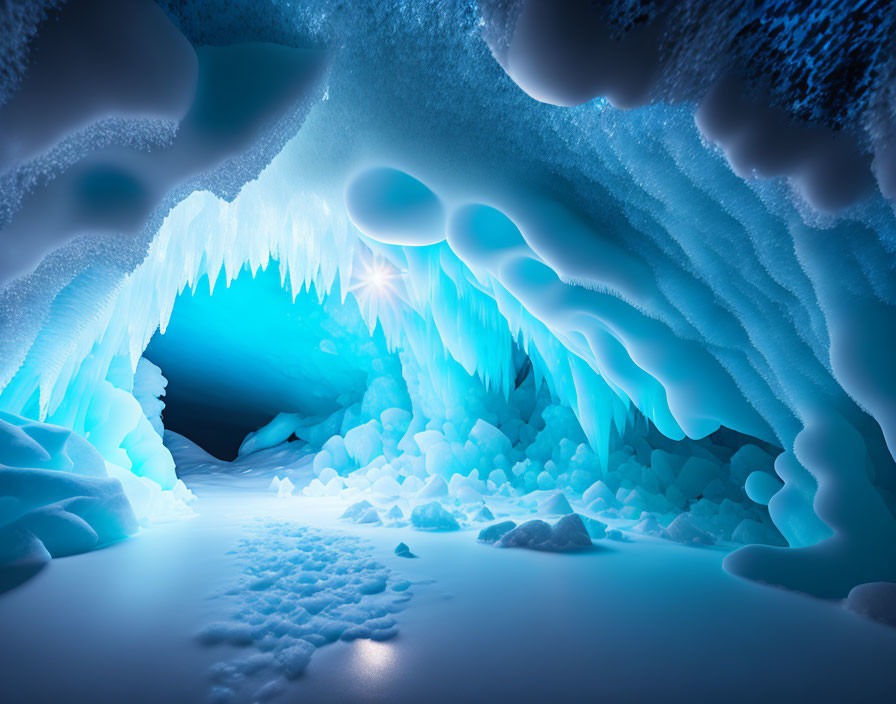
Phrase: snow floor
[626,622]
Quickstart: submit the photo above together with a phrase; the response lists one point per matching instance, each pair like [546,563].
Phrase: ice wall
[620,248]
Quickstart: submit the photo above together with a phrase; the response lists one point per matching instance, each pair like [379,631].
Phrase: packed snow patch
[300,588]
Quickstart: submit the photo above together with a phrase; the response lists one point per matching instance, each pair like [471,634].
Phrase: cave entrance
[235,356]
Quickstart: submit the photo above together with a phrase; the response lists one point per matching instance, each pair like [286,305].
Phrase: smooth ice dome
[393,207]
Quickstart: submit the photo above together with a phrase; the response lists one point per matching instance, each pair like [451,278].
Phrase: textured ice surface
[433,516]
[567,535]
[57,498]
[494,532]
[299,589]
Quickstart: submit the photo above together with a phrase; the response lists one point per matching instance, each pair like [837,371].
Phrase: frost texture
[300,589]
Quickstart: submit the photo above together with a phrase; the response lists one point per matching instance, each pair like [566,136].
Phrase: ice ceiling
[539,233]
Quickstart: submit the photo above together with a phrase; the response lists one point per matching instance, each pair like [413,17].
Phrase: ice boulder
[285,488]
[326,474]
[294,659]
[427,438]
[749,531]
[696,473]
[566,535]
[440,460]
[322,460]
[338,456]
[483,515]
[315,489]
[555,505]
[364,443]
[466,489]
[47,512]
[56,497]
[682,530]
[395,421]
[650,526]
[386,486]
[361,512]
[545,481]
[395,513]
[403,550]
[334,487]
[874,600]
[491,441]
[433,516]
[411,484]
[498,476]
[495,532]
[597,530]
[435,488]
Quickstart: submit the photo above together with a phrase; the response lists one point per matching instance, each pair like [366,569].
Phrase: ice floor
[630,621]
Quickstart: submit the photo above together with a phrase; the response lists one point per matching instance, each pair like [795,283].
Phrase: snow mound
[284,487]
[566,535]
[875,600]
[361,512]
[483,515]
[433,516]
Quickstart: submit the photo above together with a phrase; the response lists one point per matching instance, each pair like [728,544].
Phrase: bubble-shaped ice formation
[393,207]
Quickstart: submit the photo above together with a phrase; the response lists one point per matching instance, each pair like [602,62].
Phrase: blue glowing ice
[491,297]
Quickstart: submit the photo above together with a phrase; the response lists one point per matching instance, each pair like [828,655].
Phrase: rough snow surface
[299,588]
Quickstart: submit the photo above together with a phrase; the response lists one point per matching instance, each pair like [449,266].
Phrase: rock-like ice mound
[433,516]
[496,531]
[402,550]
[361,512]
[683,531]
[284,487]
[56,497]
[555,505]
[566,535]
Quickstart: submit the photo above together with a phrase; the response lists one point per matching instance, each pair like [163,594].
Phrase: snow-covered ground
[629,621]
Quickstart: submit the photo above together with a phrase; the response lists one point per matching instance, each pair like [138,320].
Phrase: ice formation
[557,306]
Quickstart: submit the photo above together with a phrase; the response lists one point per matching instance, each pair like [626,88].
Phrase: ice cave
[447,351]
